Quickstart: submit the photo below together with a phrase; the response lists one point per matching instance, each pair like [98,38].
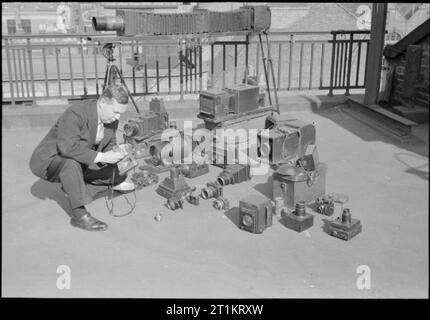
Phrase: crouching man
[77,152]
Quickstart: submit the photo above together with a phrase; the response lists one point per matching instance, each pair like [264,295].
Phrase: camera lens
[130,129]
[247,220]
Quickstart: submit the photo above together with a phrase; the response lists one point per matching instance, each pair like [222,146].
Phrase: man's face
[110,110]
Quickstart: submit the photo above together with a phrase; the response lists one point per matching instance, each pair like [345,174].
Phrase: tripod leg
[269,58]
[126,88]
[265,69]
[108,77]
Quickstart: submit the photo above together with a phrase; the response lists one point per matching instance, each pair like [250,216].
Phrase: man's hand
[112,156]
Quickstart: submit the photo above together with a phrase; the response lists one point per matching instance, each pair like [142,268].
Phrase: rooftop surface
[200,252]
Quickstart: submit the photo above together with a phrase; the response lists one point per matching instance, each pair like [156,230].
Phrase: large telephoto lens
[113,23]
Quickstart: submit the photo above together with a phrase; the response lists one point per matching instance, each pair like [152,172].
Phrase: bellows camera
[255,213]
[287,141]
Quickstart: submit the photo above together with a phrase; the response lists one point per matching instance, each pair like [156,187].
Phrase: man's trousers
[82,183]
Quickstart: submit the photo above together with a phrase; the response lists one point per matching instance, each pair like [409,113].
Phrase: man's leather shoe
[88,222]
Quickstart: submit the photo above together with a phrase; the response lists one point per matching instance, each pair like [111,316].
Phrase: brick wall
[422,89]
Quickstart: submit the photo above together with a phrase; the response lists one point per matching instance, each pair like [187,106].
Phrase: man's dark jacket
[73,136]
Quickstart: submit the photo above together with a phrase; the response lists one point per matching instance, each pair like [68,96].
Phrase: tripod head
[107,51]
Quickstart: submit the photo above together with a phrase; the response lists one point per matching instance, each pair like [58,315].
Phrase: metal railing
[342,67]
[66,66]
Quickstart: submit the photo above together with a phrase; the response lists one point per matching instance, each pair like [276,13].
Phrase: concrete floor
[200,252]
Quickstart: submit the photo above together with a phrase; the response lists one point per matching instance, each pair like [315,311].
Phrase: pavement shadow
[43,190]
[325,226]
[265,188]
[50,190]
[233,215]
[361,130]
[404,158]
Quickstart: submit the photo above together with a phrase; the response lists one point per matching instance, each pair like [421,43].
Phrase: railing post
[279,65]
[15,72]
[181,80]
[348,80]
[21,78]
[133,70]
[24,59]
[30,64]
[200,67]
[322,65]
[95,72]
[223,65]
[301,65]
[157,70]
[45,71]
[247,59]
[235,64]
[357,73]
[311,66]
[195,68]
[169,75]
[84,76]
[338,84]
[185,62]
[58,72]
[333,49]
[9,71]
[290,62]
[212,66]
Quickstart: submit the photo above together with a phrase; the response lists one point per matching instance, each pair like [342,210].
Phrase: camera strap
[110,203]
[312,175]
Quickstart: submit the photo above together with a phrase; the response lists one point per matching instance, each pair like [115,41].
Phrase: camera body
[147,125]
[128,162]
[294,184]
[217,104]
[134,22]
[325,205]
[194,170]
[234,173]
[212,190]
[287,141]
[344,227]
[298,220]
[255,213]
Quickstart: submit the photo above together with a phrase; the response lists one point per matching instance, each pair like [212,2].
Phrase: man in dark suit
[77,152]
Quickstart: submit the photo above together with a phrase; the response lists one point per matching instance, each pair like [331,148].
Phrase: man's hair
[116,92]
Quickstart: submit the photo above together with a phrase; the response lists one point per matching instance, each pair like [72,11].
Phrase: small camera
[128,162]
[255,214]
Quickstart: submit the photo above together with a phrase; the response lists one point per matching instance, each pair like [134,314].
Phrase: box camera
[344,227]
[298,220]
[255,213]
[217,104]
[287,141]
[214,103]
[150,123]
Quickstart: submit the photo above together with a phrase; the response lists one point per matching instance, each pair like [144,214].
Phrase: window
[11,26]
[26,25]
